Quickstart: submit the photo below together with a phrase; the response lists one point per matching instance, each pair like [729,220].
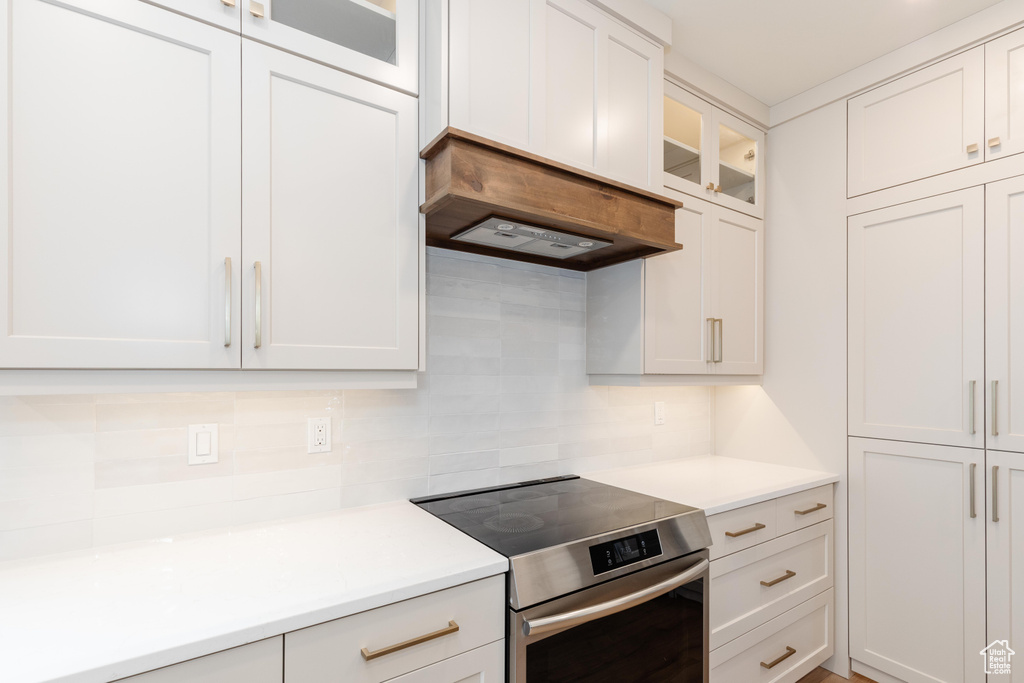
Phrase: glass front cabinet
[711,154]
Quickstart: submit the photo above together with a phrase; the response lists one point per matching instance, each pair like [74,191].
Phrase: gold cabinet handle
[781,658]
[971,149]
[995,493]
[228,3]
[819,506]
[711,186]
[258,342]
[227,301]
[736,534]
[448,630]
[994,142]
[256,9]
[788,575]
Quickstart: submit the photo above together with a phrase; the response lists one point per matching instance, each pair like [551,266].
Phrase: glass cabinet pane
[366,26]
[683,129]
[737,164]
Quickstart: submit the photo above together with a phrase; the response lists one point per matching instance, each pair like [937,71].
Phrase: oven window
[660,641]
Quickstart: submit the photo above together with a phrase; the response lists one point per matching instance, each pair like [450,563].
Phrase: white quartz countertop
[714,483]
[111,612]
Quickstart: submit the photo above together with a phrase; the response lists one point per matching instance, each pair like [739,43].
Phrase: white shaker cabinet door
[331,218]
[1004,96]
[917,560]
[928,122]
[737,293]
[1004,315]
[121,205]
[1005,543]
[677,298]
[916,321]
[377,39]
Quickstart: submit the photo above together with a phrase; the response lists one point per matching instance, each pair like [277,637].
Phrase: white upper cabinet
[1004,96]
[917,560]
[376,39]
[330,199]
[677,298]
[121,238]
[916,321]
[698,311]
[1004,314]
[557,78]
[711,154]
[928,122]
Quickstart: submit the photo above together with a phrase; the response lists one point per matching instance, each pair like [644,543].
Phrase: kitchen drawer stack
[457,634]
[772,588]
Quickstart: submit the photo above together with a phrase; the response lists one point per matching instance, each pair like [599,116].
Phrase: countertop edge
[275,627]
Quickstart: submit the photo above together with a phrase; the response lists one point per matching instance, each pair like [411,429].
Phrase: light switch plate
[319,436]
[197,443]
[659,412]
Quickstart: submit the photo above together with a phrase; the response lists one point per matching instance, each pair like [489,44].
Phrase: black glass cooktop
[522,518]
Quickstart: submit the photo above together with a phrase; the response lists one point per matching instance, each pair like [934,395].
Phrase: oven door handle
[559,622]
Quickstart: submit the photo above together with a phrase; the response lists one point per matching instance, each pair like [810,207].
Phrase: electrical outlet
[659,412]
[319,439]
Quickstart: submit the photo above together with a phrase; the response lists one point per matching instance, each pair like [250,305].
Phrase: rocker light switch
[202,444]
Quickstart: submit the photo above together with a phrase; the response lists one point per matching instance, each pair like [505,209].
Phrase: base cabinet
[1005,545]
[259,662]
[772,600]
[917,560]
[483,665]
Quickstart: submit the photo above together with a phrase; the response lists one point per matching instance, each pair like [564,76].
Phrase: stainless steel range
[605,584]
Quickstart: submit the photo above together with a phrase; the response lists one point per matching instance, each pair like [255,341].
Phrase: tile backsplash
[505,398]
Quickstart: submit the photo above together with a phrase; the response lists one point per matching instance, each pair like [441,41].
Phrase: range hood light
[529,239]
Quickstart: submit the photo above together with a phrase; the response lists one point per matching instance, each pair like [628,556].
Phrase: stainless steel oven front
[648,626]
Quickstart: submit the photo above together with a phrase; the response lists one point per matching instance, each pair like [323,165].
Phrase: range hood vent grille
[532,239]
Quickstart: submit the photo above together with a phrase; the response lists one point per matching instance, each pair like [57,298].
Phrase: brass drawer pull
[819,506]
[451,628]
[788,575]
[789,653]
[736,534]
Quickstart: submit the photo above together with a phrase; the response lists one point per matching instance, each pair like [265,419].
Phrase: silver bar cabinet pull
[974,512]
[778,660]
[995,407]
[259,305]
[711,339]
[995,493]
[451,628]
[970,402]
[227,301]
[720,336]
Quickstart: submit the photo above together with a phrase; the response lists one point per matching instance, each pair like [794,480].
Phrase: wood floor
[820,675]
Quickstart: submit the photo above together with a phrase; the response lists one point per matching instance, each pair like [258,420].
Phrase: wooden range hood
[470,179]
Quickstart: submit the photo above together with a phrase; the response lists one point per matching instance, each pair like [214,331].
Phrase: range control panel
[624,551]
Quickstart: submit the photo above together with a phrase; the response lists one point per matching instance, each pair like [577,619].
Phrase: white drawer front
[331,652]
[807,630]
[741,528]
[483,665]
[258,662]
[799,510]
[798,565]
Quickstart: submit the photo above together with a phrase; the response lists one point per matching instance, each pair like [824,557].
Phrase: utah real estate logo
[997,657]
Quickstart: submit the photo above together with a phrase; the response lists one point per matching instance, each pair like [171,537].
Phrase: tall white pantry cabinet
[133,236]
[936,315]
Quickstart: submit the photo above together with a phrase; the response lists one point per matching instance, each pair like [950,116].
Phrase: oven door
[649,626]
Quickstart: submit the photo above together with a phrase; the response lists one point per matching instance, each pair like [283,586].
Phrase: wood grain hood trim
[469,179]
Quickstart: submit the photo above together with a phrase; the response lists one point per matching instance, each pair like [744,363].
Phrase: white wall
[798,417]
[505,399]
